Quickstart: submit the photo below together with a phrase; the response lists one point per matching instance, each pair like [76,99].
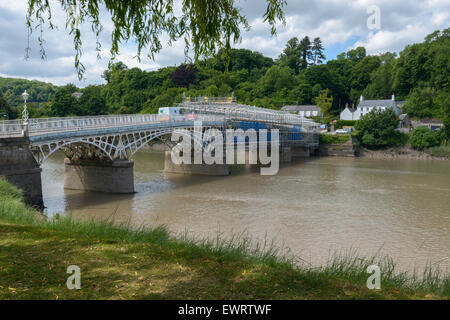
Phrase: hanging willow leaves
[205,25]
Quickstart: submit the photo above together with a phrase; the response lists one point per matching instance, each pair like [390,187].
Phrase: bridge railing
[13,128]
[244,112]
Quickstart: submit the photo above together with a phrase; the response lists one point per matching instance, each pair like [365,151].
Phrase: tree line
[300,75]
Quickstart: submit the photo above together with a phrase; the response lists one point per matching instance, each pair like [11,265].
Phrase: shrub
[333,138]
[441,151]
[341,123]
[377,130]
[422,137]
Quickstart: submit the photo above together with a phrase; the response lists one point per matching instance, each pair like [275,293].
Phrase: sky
[341,24]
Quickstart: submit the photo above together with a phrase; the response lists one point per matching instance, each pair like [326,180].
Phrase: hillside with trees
[419,75]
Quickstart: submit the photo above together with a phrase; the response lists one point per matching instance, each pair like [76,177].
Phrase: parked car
[344,131]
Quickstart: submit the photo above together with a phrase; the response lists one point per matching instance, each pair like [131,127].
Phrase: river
[315,207]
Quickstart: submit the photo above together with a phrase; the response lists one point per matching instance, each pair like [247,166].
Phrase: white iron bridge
[113,137]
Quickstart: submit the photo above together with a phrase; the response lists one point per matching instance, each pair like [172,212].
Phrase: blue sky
[342,25]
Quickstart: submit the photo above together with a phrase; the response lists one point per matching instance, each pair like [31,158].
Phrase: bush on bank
[333,138]
[422,137]
[347,123]
[377,130]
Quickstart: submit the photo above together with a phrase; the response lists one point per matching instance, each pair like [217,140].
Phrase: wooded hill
[419,74]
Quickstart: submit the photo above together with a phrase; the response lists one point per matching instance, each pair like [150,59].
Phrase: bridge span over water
[99,149]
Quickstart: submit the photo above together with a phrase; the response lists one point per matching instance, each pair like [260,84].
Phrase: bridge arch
[44,151]
[141,142]
[116,146]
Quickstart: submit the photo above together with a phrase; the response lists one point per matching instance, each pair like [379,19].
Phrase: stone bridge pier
[98,175]
[195,169]
[19,167]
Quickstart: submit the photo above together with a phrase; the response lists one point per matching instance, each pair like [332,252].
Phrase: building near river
[306,111]
[365,106]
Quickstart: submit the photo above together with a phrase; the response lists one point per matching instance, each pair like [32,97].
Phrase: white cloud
[336,22]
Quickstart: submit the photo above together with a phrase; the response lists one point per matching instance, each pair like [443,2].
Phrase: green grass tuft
[440,151]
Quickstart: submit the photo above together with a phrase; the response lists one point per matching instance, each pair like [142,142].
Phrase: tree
[291,56]
[184,75]
[203,24]
[420,103]
[92,103]
[65,104]
[276,79]
[355,55]
[377,129]
[305,52]
[113,67]
[6,112]
[324,103]
[321,77]
[317,51]
[422,137]
[443,103]
[238,59]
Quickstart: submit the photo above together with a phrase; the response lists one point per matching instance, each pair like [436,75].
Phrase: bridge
[99,149]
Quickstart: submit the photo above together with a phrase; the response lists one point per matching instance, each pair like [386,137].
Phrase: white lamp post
[25,96]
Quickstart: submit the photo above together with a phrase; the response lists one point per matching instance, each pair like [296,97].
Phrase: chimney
[393,97]
[361,99]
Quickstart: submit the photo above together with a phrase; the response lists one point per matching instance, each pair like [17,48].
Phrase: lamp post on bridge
[25,96]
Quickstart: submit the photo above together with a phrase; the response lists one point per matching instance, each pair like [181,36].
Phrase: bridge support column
[195,169]
[19,167]
[301,152]
[113,177]
[285,154]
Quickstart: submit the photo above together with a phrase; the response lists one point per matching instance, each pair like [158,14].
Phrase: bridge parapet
[12,128]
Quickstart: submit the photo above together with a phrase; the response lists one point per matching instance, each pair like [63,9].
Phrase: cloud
[340,24]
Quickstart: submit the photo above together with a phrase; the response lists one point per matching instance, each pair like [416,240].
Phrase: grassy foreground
[117,263]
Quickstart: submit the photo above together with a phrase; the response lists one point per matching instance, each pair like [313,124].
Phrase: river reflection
[315,207]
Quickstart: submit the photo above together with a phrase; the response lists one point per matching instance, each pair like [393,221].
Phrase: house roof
[300,108]
[77,94]
[377,103]
[430,121]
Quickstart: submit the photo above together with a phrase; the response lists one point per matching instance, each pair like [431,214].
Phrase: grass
[119,263]
[333,138]
[440,151]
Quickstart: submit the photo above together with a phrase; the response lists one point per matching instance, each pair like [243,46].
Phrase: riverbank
[401,153]
[117,263]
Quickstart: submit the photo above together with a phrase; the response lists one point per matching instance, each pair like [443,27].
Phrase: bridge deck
[207,112]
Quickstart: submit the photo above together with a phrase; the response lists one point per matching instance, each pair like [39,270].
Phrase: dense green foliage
[377,130]
[422,137]
[6,112]
[419,74]
[11,91]
[333,138]
[341,123]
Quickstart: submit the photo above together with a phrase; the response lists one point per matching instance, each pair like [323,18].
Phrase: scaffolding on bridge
[232,110]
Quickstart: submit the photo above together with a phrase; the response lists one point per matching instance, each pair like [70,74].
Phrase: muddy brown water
[315,207]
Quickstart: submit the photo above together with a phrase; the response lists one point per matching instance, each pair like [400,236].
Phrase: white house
[365,106]
[306,111]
